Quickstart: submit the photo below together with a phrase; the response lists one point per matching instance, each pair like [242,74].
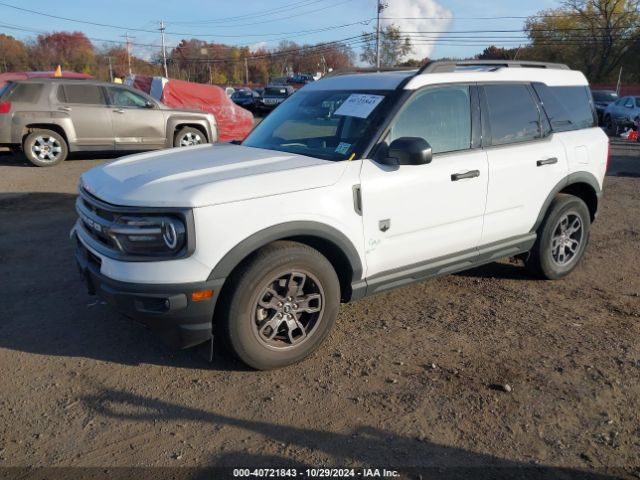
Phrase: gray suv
[50,117]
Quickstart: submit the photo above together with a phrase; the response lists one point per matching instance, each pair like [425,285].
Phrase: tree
[71,50]
[120,65]
[590,35]
[13,54]
[497,53]
[393,47]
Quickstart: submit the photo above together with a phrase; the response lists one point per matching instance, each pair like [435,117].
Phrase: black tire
[45,148]
[611,126]
[246,324]
[556,253]
[189,136]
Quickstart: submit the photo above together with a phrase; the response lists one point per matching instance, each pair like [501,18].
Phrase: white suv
[356,184]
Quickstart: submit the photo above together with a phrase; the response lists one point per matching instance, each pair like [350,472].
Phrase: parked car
[621,114]
[356,184]
[48,118]
[301,79]
[246,98]
[274,95]
[602,99]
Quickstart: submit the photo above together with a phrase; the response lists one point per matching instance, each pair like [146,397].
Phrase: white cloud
[257,46]
[410,15]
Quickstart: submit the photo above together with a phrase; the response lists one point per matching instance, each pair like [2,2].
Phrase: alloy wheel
[46,148]
[288,310]
[190,139]
[567,239]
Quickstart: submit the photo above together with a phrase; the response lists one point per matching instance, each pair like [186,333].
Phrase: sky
[450,31]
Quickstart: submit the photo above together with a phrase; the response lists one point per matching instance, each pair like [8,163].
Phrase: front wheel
[562,238]
[188,136]
[283,303]
[45,148]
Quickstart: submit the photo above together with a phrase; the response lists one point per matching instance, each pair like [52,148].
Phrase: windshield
[242,94]
[275,91]
[605,96]
[323,124]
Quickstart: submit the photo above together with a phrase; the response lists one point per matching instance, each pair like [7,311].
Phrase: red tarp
[8,76]
[234,122]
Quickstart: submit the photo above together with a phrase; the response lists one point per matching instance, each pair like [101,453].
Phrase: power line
[261,22]
[511,17]
[260,13]
[192,34]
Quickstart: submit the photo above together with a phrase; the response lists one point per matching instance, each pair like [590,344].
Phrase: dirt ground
[410,378]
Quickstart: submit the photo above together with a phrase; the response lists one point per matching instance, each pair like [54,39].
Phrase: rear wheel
[610,126]
[283,303]
[188,136]
[45,148]
[562,238]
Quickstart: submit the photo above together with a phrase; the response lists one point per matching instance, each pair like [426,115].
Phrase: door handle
[64,109]
[461,176]
[547,161]
[118,110]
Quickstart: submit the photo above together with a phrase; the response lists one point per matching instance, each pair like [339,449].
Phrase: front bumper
[167,309]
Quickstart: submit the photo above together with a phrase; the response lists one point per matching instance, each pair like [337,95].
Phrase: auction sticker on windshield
[359,105]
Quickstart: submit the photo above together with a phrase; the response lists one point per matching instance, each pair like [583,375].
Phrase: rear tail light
[5,107]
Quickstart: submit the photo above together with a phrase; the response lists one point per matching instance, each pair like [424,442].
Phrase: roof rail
[348,71]
[446,66]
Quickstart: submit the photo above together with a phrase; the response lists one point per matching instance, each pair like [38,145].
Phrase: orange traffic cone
[58,72]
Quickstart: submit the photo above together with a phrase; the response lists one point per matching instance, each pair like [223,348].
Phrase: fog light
[201,295]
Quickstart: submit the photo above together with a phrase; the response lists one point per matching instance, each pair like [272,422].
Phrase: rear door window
[84,94]
[25,93]
[513,114]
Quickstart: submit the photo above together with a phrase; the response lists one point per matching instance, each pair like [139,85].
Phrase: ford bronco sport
[356,184]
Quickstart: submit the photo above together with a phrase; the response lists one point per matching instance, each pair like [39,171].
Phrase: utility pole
[618,85]
[381,7]
[110,70]
[246,71]
[164,51]
[128,40]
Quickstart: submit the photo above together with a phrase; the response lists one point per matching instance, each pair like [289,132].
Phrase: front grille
[96,220]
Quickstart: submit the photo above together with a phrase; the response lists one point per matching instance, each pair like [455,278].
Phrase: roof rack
[349,71]
[446,66]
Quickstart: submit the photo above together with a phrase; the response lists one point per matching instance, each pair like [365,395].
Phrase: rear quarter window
[4,89]
[568,108]
[24,93]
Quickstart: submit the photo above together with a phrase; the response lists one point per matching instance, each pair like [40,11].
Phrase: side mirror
[149,104]
[409,151]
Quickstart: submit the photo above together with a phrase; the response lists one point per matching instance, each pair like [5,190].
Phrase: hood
[206,175]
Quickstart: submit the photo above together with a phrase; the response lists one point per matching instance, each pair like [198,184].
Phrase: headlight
[150,235]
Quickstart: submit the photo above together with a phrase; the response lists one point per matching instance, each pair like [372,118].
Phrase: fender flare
[286,231]
[577,177]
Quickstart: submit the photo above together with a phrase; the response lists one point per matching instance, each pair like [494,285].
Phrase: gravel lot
[413,377]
